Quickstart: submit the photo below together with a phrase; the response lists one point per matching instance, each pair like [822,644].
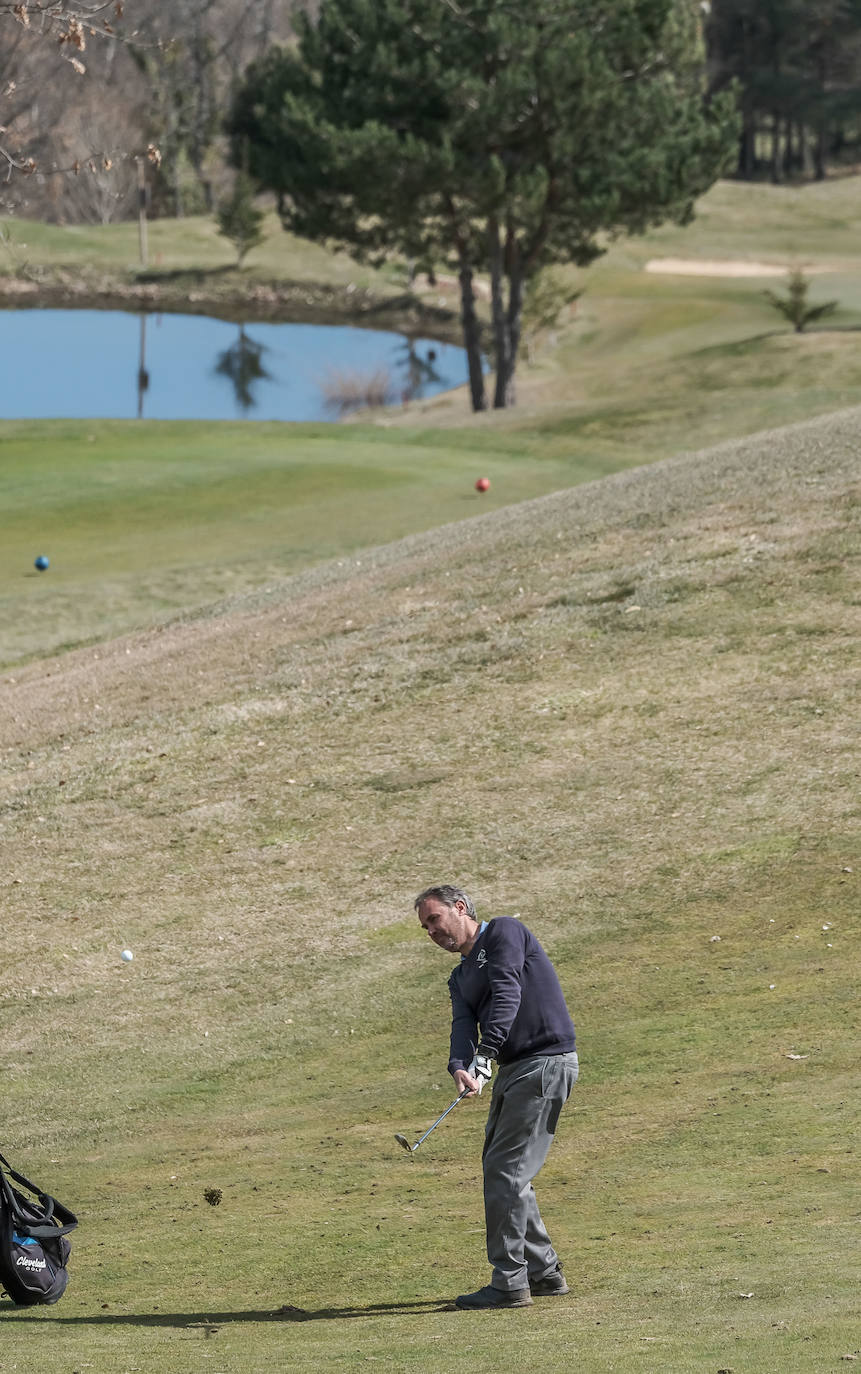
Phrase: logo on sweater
[482,958]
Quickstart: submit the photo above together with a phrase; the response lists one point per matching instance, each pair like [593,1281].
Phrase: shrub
[793,306]
[239,220]
[346,391]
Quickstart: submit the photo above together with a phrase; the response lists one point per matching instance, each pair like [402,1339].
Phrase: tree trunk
[747,147]
[500,324]
[820,150]
[513,322]
[506,322]
[471,338]
[789,150]
[201,59]
[805,161]
[508,326]
[775,149]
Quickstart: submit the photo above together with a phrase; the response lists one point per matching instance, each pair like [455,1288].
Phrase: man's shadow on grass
[209,1322]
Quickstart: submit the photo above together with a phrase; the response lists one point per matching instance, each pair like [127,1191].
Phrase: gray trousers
[527,1099]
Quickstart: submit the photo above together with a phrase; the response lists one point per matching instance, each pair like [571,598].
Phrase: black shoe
[495,1297]
[552,1285]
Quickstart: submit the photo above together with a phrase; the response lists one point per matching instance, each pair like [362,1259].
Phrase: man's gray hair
[448,895]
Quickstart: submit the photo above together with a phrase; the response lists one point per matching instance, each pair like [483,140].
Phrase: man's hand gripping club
[475,1076]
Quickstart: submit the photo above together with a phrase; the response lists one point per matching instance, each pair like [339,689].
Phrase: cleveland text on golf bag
[34,1250]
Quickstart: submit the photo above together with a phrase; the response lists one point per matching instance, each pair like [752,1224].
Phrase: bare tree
[193,55]
[104,187]
[87,85]
[59,121]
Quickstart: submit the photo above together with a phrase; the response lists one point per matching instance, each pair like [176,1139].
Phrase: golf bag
[34,1251]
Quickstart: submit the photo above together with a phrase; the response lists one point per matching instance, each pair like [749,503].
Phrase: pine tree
[797,66]
[794,307]
[485,135]
[239,219]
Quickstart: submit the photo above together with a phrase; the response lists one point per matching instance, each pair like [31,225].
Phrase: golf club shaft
[464,1094]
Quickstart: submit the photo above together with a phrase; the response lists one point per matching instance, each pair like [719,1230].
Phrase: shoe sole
[490,1306]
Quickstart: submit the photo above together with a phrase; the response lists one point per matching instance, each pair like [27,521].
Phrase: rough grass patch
[345,390]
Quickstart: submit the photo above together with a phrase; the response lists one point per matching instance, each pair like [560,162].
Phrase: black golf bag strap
[67,1221]
[44,1232]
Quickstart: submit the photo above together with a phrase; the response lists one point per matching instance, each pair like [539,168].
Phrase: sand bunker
[706,267]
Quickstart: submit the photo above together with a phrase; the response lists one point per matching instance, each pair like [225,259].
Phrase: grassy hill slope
[624,711]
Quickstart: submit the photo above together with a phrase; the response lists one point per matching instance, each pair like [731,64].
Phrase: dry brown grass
[345,390]
[658,644]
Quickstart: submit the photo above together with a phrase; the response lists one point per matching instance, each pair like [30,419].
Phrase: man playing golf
[508,1009]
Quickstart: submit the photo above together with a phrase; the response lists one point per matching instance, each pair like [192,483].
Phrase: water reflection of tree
[143,375]
[418,372]
[241,362]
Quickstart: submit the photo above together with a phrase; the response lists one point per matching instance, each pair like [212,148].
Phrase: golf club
[402,1140]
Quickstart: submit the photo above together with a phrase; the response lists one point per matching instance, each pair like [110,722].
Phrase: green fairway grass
[142,521]
[191,245]
[626,712]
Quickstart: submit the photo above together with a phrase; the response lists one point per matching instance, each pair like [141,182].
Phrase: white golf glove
[480,1069]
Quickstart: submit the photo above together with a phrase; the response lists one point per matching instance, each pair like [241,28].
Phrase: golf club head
[402,1140]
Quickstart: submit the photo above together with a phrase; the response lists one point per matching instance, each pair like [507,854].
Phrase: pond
[109,364]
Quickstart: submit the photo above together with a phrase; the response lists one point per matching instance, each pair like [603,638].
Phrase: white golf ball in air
[127,955]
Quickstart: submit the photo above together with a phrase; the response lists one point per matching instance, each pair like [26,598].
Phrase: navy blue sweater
[507,988]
